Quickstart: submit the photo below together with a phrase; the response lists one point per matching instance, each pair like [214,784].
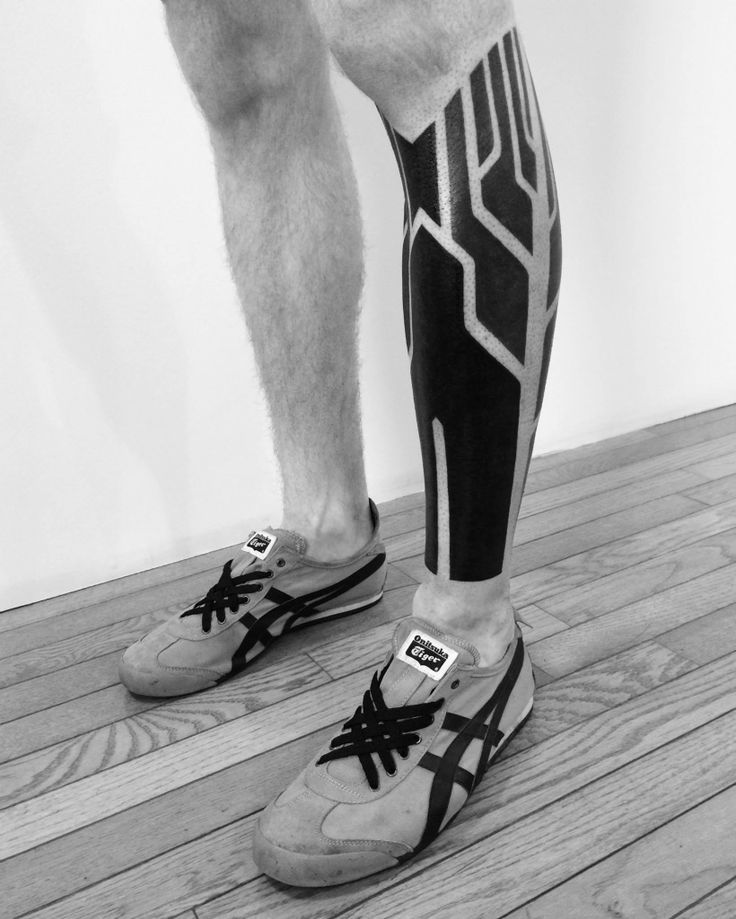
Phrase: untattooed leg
[259,71]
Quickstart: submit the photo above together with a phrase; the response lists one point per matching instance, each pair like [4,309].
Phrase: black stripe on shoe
[295,608]
[447,768]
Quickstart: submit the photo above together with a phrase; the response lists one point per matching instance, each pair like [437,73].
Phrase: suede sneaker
[429,726]
[274,588]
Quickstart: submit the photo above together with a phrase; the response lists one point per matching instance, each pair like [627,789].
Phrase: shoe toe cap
[289,845]
[142,672]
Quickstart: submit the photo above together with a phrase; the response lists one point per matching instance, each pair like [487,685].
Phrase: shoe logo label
[427,655]
[260,544]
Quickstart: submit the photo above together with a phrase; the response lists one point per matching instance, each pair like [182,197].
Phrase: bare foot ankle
[480,612]
[334,536]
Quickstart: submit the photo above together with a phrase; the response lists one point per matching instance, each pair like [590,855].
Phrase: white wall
[133,429]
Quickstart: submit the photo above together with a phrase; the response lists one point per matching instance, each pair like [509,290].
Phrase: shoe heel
[510,736]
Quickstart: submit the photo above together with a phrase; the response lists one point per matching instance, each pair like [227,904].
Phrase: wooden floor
[617,800]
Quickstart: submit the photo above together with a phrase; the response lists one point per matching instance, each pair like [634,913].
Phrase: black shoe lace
[229,593]
[375,728]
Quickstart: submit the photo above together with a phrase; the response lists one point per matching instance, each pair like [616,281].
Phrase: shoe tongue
[422,657]
[263,545]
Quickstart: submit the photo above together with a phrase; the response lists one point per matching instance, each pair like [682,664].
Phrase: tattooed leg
[482,262]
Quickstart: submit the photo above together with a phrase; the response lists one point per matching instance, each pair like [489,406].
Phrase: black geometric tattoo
[482,262]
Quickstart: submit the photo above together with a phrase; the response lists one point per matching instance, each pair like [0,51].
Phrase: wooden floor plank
[597,487]
[513,789]
[637,622]
[584,567]
[697,444]
[716,492]
[717,467]
[607,593]
[683,860]
[696,458]
[706,638]
[718,905]
[601,505]
[688,421]
[608,529]
[559,457]
[594,689]
[70,864]
[43,692]
[103,729]
[65,809]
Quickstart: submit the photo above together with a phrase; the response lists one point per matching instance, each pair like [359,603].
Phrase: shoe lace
[229,593]
[376,728]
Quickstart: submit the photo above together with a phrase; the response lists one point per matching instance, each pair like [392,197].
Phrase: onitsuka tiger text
[430,724]
[272,589]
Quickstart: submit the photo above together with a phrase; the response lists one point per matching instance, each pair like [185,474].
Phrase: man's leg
[482,259]
[259,71]
[482,271]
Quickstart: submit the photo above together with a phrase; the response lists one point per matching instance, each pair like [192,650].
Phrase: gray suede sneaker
[273,589]
[404,764]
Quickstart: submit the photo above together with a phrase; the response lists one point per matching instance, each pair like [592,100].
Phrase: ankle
[479,612]
[333,531]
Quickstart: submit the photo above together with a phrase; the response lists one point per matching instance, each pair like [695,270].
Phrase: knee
[238,55]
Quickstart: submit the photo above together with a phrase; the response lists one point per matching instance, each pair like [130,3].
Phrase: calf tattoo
[482,260]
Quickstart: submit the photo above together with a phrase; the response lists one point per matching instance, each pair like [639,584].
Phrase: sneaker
[274,588]
[431,723]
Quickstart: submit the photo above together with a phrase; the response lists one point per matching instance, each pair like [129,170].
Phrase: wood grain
[717,467]
[111,846]
[594,507]
[612,591]
[682,448]
[679,862]
[715,492]
[65,809]
[718,905]
[597,533]
[706,638]
[599,687]
[637,622]
[713,414]
[43,692]
[132,726]
[587,566]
